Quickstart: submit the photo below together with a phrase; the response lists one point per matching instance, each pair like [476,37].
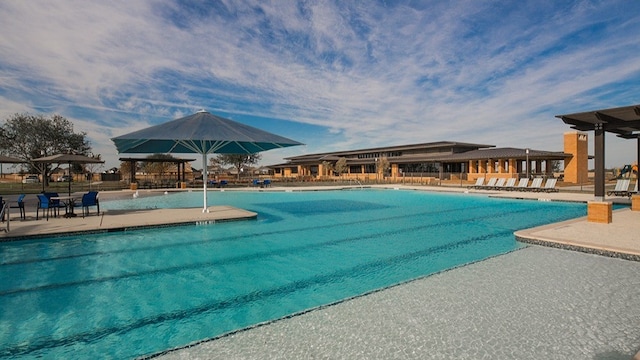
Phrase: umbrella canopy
[10,160]
[201,133]
[67,159]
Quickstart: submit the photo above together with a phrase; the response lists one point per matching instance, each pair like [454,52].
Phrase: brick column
[599,212]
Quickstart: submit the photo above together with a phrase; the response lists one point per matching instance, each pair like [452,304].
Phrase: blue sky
[335,75]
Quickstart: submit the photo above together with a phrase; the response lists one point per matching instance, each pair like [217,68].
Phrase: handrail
[5,209]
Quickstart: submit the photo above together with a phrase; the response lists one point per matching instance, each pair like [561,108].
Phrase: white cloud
[370,73]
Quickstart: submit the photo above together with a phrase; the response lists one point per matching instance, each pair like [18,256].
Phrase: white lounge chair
[511,182]
[550,185]
[522,185]
[479,182]
[621,189]
[499,184]
[490,184]
[536,185]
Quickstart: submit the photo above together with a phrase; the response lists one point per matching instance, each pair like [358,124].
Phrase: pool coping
[123,220]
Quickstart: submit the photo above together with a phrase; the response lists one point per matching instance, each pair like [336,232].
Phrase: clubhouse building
[443,160]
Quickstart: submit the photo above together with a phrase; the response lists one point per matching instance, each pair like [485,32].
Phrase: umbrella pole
[204,181]
[69,179]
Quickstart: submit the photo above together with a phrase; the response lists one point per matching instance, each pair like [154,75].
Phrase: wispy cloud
[369,74]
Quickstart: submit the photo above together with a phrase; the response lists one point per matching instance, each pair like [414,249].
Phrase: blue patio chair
[45,204]
[90,199]
[55,204]
[223,183]
[20,205]
[266,182]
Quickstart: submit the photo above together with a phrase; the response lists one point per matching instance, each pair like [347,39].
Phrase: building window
[294,170]
[370,168]
[355,169]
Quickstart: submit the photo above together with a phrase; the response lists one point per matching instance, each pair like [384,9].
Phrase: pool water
[133,293]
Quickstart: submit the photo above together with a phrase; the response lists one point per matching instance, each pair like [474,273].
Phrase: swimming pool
[133,293]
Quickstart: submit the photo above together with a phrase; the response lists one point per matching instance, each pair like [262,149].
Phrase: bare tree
[239,161]
[341,166]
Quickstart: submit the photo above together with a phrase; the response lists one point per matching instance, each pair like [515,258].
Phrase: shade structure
[10,160]
[201,133]
[67,159]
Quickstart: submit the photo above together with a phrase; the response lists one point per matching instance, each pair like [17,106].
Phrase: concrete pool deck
[114,220]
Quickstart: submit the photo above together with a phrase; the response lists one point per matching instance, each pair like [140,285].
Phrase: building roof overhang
[433,145]
[623,121]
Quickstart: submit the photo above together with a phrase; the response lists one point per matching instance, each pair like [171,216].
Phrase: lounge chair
[499,184]
[90,199]
[511,182]
[550,185]
[20,205]
[490,184]
[536,185]
[478,184]
[621,189]
[522,185]
[629,193]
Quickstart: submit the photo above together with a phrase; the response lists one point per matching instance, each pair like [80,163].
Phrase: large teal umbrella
[201,133]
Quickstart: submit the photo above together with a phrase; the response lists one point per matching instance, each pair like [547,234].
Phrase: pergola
[623,121]
[179,164]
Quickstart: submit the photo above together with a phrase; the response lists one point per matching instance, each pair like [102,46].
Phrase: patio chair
[621,189]
[55,204]
[522,185]
[266,182]
[90,199]
[479,182]
[536,185]
[45,204]
[550,185]
[20,205]
[223,183]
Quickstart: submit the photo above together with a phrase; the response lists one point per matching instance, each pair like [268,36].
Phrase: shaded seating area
[88,200]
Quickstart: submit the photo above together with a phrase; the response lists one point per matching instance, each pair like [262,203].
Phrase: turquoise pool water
[128,294]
